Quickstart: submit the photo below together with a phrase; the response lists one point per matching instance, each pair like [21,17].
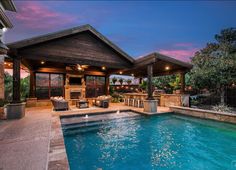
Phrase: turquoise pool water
[157,142]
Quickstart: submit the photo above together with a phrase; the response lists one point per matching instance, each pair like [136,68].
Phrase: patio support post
[150,74]
[182,81]
[32,84]
[107,85]
[140,80]
[1,76]
[16,79]
[16,109]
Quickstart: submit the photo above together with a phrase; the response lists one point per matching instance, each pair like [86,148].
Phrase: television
[75,81]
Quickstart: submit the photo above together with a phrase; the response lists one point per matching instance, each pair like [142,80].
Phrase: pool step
[91,126]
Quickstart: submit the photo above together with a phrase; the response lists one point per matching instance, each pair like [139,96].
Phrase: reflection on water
[117,137]
[159,142]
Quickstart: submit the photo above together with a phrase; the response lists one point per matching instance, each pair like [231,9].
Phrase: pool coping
[57,157]
[205,114]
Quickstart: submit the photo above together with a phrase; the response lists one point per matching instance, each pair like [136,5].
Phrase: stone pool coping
[57,157]
[205,114]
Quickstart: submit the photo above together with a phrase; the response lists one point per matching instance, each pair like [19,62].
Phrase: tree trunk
[222,95]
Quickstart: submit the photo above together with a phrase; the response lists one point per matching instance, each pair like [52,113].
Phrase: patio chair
[59,103]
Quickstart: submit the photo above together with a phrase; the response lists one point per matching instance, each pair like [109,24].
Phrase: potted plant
[129,81]
[121,80]
[114,80]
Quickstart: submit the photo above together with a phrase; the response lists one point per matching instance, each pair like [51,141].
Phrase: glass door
[95,86]
[49,85]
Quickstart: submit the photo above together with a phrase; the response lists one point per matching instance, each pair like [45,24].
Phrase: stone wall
[168,100]
[1,77]
[205,114]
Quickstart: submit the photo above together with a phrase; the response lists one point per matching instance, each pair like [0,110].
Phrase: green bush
[117,98]
[2,102]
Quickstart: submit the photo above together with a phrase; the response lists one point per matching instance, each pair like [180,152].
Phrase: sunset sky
[177,29]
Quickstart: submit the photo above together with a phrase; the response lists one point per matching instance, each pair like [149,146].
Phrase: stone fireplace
[74,92]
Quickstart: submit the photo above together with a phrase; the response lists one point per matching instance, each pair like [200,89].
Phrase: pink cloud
[183,44]
[37,16]
[23,73]
[180,54]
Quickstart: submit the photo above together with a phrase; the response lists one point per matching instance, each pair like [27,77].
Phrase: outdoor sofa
[59,103]
[102,101]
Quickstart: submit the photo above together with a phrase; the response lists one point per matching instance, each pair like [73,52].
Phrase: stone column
[1,76]
[16,79]
[150,74]
[182,81]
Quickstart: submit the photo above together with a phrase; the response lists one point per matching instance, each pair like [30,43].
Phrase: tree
[214,66]
[8,86]
[24,89]
[8,82]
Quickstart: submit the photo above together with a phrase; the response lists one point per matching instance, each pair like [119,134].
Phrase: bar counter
[164,100]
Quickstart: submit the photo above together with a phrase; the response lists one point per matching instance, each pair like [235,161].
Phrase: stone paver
[25,142]
[36,142]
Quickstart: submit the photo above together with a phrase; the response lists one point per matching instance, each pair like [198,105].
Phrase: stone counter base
[205,114]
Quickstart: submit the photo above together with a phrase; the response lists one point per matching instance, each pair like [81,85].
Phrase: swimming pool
[156,142]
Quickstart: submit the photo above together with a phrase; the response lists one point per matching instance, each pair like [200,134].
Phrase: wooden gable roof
[83,45]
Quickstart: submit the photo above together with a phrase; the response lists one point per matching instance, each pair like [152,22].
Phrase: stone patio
[25,143]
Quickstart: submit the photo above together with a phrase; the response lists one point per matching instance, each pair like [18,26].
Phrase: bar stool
[126,100]
[131,102]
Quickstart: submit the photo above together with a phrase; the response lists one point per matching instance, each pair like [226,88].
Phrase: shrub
[116,98]
[2,102]
[121,80]
[114,80]
[129,81]
[222,108]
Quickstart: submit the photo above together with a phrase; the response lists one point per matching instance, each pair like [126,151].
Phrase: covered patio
[77,63]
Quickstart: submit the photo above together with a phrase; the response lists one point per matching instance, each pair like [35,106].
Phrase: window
[95,86]
[48,85]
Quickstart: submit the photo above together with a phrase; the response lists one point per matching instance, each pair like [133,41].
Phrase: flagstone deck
[25,143]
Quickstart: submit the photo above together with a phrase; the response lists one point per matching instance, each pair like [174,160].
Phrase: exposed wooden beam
[16,79]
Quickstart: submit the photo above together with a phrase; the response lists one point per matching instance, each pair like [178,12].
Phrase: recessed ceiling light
[103,68]
[132,75]
[121,72]
[4,29]
[167,68]
[42,62]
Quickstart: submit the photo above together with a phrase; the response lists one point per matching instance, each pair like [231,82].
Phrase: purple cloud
[183,55]
[35,15]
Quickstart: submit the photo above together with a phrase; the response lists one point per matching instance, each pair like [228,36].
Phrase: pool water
[156,142]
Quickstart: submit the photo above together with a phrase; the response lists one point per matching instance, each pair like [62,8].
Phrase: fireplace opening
[75,94]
